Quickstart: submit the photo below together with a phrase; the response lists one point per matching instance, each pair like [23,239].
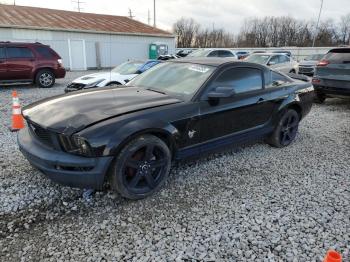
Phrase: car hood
[308,63]
[110,76]
[71,113]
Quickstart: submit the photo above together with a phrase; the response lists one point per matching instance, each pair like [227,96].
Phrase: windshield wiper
[155,90]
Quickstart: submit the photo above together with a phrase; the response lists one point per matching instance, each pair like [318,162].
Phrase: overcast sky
[228,14]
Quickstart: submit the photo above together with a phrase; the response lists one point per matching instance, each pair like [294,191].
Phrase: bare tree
[265,32]
[344,29]
[186,31]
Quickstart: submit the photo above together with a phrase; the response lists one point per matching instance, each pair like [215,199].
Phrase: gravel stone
[252,203]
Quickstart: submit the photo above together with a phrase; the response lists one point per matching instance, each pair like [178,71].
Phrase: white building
[83,40]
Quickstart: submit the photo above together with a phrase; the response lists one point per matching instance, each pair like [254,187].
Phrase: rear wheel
[141,168]
[286,129]
[45,78]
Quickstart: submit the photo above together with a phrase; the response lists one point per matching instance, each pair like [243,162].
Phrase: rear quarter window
[277,80]
[44,52]
[338,56]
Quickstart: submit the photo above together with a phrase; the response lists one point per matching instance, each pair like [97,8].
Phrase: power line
[318,21]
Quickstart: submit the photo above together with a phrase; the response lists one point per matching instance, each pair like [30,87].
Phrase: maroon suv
[29,63]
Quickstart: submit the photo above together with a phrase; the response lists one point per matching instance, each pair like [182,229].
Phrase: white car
[279,62]
[213,53]
[119,75]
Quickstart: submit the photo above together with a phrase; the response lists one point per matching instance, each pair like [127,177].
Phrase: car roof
[20,43]
[340,50]
[281,51]
[213,61]
[269,54]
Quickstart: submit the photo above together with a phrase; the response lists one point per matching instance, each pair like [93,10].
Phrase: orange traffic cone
[332,256]
[17,118]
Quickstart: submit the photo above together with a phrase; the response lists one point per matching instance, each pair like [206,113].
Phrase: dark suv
[29,63]
[332,74]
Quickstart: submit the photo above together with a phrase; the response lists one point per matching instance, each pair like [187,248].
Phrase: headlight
[94,84]
[76,145]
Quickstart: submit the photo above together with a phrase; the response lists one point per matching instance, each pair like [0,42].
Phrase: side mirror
[221,92]
[271,63]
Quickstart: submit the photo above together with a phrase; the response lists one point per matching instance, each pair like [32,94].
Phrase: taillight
[60,62]
[323,63]
[316,81]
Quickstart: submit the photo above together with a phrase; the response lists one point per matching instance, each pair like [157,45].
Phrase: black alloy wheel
[286,129]
[141,168]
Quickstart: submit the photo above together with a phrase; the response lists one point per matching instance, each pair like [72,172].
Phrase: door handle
[261,100]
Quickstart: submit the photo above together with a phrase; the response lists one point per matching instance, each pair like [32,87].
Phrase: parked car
[307,66]
[168,57]
[178,109]
[27,63]
[278,62]
[242,54]
[119,75]
[184,52]
[332,74]
[287,53]
[213,53]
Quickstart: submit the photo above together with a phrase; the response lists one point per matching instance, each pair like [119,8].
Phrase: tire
[45,78]
[286,129]
[114,83]
[141,168]
[320,98]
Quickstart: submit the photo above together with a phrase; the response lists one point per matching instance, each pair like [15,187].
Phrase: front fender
[134,128]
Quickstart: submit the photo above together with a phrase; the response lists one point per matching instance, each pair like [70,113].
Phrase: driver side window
[240,79]
[274,60]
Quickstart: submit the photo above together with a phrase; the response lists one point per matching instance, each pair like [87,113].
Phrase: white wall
[114,49]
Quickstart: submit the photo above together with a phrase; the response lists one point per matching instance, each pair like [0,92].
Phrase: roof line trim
[85,31]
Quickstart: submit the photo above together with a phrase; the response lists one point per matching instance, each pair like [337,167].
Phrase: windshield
[315,57]
[199,53]
[127,68]
[259,59]
[178,79]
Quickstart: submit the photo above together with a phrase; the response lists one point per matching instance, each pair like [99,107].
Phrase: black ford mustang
[129,136]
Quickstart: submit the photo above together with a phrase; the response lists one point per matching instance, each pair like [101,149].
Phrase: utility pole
[318,21]
[130,14]
[79,3]
[154,13]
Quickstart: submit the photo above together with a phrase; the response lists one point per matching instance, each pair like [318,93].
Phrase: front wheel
[45,78]
[141,168]
[286,129]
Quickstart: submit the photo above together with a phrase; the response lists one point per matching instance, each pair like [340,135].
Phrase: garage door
[77,55]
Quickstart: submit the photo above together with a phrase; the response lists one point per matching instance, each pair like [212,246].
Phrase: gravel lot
[253,203]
